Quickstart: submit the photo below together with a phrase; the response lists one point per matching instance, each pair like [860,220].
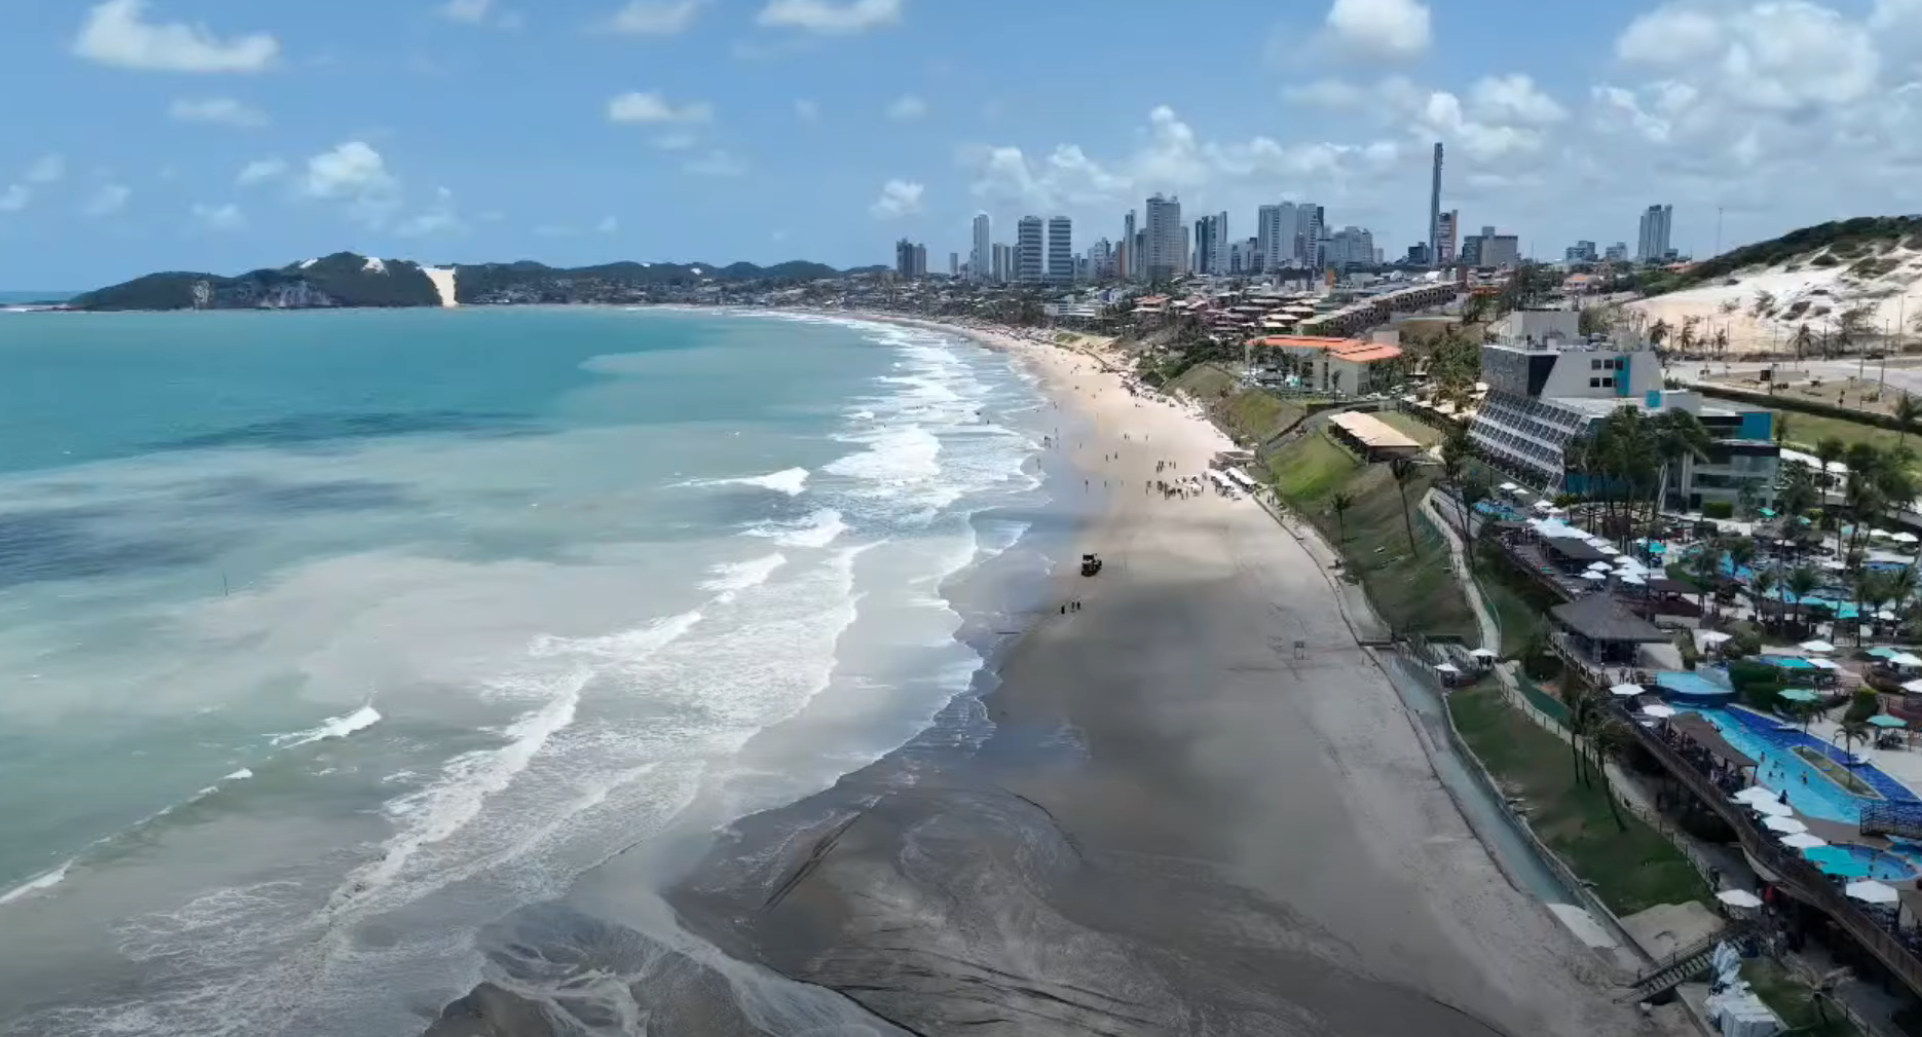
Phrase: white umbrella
[1542,505]
[1625,691]
[1906,537]
[1803,841]
[1818,647]
[1770,807]
[1596,567]
[1913,687]
[1446,668]
[1716,637]
[1880,534]
[1634,581]
[1482,653]
[1885,616]
[1870,892]
[1607,549]
[1784,825]
[1833,565]
[1658,710]
[1754,793]
[1739,898]
[1508,487]
[1594,575]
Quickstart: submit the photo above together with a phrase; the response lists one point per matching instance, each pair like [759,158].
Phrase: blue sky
[223,135]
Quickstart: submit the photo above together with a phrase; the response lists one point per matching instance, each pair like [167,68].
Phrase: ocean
[330,638]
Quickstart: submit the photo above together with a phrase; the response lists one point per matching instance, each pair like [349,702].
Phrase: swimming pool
[1899,863]
[1770,744]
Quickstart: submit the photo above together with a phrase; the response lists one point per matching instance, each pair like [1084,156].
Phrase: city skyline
[585,130]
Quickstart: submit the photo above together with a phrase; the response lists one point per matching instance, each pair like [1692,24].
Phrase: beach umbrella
[1833,565]
[1756,793]
[1607,549]
[1593,574]
[1870,892]
[1625,691]
[1804,841]
[1658,549]
[1784,825]
[1446,668]
[1509,487]
[1818,647]
[1658,710]
[1885,720]
[1908,659]
[1482,653]
[1766,512]
[1596,567]
[1633,580]
[1739,898]
[1770,807]
[1880,534]
[1716,637]
[1913,687]
[1905,537]
[1885,616]
[1542,505]
[1885,652]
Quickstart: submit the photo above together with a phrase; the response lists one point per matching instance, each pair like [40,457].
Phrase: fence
[1548,705]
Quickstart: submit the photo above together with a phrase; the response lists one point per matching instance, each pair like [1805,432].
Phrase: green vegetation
[1836,772]
[1794,1001]
[1414,589]
[1631,866]
[1251,414]
[1519,603]
[1846,239]
[1806,430]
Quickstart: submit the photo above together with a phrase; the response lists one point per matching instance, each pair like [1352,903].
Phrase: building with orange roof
[1325,363]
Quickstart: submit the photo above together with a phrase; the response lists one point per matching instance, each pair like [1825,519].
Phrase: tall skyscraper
[1653,244]
[1219,247]
[1434,206]
[1001,264]
[1166,239]
[981,260]
[1309,234]
[904,259]
[920,261]
[1275,235]
[1204,245]
[1060,249]
[1131,266]
[1027,249]
[954,264]
[1449,232]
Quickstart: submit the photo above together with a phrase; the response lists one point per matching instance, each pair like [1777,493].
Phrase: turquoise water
[330,637]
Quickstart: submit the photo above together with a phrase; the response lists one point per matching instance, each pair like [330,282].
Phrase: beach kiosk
[1597,631]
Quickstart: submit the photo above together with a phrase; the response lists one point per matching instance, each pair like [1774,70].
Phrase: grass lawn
[1413,590]
[1253,415]
[1630,870]
[1793,1001]
[1206,382]
[1806,430]
[1519,604]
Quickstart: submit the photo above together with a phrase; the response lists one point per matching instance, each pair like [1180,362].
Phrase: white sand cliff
[443,278]
[1762,307]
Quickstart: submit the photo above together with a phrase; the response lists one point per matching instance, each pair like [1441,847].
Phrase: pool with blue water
[1900,863]
[1813,793]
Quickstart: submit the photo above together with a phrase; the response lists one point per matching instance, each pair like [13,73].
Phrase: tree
[1853,731]
[1764,304]
[1339,504]
[1801,582]
[1782,426]
[1907,413]
[1678,435]
[1762,593]
[1828,451]
[1598,320]
[1804,341]
[1595,736]
[1658,333]
[1404,469]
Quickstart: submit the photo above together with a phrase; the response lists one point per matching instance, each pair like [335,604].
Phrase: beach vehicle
[1090,564]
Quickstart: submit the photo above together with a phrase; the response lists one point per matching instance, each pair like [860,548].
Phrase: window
[1608,383]
[1594,365]
[1594,383]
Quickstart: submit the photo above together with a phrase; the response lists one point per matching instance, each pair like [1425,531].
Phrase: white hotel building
[1548,387]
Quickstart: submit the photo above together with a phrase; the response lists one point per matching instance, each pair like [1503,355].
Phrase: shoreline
[1182,824]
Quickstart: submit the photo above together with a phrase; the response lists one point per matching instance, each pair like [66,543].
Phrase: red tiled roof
[1307,342]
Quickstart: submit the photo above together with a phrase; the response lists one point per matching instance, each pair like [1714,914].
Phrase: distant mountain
[346,279]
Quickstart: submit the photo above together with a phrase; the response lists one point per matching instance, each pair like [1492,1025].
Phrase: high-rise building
[1351,246]
[1131,265]
[904,259]
[1167,245]
[981,260]
[1000,263]
[954,264]
[1616,253]
[1276,235]
[1101,261]
[1309,234]
[1060,249]
[1028,249]
[1489,249]
[1445,244]
[1204,245]
[1434,205]
[1219,245]
[1653,244]
[1579,252]
[920,261]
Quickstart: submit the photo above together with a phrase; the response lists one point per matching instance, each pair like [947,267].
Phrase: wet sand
[1185,824]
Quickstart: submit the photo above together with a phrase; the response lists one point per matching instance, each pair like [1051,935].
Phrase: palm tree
[1764,302]
[1801,582]
[1804,341]
[1761,591]
[1595,736]
[1339,504]
[1853,731]
[1782,425]
[1658,333]
[1828,451]
[1404,469]
[1908,411]
[1678,434]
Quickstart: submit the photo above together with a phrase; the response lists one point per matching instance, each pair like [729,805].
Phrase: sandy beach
[1204,811]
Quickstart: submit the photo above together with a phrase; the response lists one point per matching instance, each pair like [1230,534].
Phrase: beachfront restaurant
[1598,631]
[1372,438]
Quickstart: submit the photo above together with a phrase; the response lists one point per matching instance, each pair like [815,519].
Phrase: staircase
[1676,969]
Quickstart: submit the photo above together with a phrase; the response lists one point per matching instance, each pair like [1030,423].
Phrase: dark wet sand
[1183,826]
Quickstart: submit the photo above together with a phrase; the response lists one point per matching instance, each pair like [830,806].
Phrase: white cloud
[830,17]
[441,216]
[356,174]
[716,163]
[260,171]
[676,141]
[806,110]
[218,217]
[218,111]
[15,198]
[608,225]
[898,198]
[1669,35]
[116,33]
[1327,93]
[479,12]
[656,17]
[109,199]
[1384,28]
[651,107]
[1514,98]
[47,169]
[907,108]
